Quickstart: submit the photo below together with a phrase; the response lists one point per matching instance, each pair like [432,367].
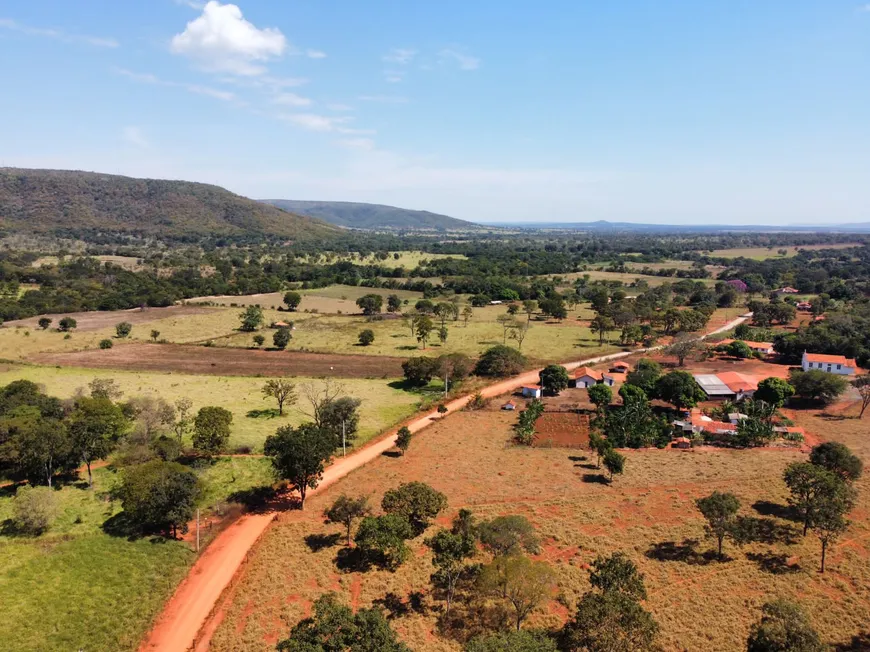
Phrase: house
[510,405]
[695,422]
[281,324]
[804,305]
[786,290]
[531,391]
[833,364]
[681,442]
[620,367]
[586,377]
[495,303]
[765,348]
[730,385]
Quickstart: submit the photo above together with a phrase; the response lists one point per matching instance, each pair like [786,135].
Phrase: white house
[833,364]
[532,391]
[586,377]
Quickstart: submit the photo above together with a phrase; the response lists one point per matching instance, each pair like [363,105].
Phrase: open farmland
[382,405]
[627,278]
[407,259]
[763,253]
[648,513]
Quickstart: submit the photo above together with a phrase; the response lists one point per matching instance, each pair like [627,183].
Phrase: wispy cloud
[58,34]
[291,99]
[221,40]
[134,136]
[384,99]
[339,107]
[315,54]
[401,56]
[193,4]
[316,122]
[148,78]
[464,61]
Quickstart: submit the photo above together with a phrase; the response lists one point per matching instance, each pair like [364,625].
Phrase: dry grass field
[649,513]
[763,253]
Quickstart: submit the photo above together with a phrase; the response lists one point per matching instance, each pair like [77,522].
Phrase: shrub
[106,344]
[124,329]
[281,338]
[366,337]
[159,496]
[33,509]
[500,361]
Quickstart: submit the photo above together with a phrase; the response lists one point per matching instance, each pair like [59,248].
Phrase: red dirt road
[188,610]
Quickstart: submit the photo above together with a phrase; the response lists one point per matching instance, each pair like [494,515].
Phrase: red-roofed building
[586,377]
[758,347]
[531,391]
[804,305]
[833,364]
[742,385]
[787,290]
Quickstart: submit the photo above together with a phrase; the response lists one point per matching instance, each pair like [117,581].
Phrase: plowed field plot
[227,362]
[648,513]
[562,430]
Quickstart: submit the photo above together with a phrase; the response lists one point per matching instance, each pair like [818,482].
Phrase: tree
[599,445]
[107,388]
[43,447]
[346,510]
[862,384]
[259,340]
[106,344]
[838,459]
[784,627]
[366,337]
[680,389]
[507,322]
[154,335]
[251,318]
[443,311]
[554,378]
[394,303]
[467,312]
[211,430]
[95,426]
[419,371]
[66,324]
[424,306]
[453,366]
[614,462]
[609,621]
[600,396]
[183,423]
[829,519]
[335,628]
[292,300]
[450,550]
[553,307]
[282,391]
[370,304]
[518,333]
[499,362]
[281,338]
[403,439]
[530,306]
[524,583]
[513,641]
[602,325]
[123,329]
[817,385]
[508,535]
[44,322]
[423,328]
[738,349]
[299,456]
[319,396]
[720,510]
[381,540]
[340,418]
[810,486]
[443,332]
[682,347]
[33,509]
[159,496]
[774,391]
[645,375]
[617,573]
[416,502]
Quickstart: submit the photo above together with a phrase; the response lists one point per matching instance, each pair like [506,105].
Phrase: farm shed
[531,391]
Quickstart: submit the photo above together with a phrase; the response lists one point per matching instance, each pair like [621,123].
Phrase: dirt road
[188,611]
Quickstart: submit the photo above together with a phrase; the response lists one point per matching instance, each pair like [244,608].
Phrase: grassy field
[628,278]
[763,253]
[407,259]
[649,513]
[79,588]
[382,405]
[127,262]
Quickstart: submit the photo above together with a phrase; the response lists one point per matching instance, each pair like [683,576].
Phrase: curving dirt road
[178,627]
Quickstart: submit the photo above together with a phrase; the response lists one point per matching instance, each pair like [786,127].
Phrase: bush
[33,509]
[281,338]
[159,496]
[419,371]
[500,361]
[124,329]
[106,344]
[817,385]
[366,337]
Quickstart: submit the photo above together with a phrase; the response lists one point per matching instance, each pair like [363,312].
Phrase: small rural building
[510,405]
[586,377]
[803,305]
[694,422]
[681,442]
[786,290]
[730,385]
[531,391]
[496,302]
[620,367]
[765,348]
[833,364]
[736,417]
[280,324]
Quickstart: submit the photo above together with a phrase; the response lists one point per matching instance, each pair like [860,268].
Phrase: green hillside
[72,202]
[373,216]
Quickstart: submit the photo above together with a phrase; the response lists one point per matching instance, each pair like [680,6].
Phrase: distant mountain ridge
[605,226]
[373,216]
[68,201]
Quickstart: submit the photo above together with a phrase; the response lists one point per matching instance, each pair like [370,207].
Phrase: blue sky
[734,111]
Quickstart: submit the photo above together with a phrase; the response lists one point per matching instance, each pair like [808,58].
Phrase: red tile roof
[586,371]
[830,359]
[738,382]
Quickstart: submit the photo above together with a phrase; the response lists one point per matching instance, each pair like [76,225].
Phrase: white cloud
[148,78]
[134,136]
[193,4]
[291,99]
[464,61]
[339,107]
[222,40]
[315,122]
[384,99]
[58,35]
[401,56]
[315,54]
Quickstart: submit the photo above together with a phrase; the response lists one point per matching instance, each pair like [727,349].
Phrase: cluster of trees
[451,368]
[843,332]
[524,428]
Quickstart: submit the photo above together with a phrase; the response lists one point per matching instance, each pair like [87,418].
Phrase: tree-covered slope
[372,216]
[72,202]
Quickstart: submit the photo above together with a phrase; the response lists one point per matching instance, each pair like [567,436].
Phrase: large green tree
[159,496]
[211,430]
[720,510]
[554,378]
[299,455]
[680,389]
[417,502]
[784,627]
[95,426]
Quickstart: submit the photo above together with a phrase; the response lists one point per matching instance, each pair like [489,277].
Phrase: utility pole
[343,440]
[197,529]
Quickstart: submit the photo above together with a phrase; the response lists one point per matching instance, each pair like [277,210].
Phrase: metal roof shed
[712,385]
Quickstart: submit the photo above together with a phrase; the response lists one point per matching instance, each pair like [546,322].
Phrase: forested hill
[373,216]
[64,202]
